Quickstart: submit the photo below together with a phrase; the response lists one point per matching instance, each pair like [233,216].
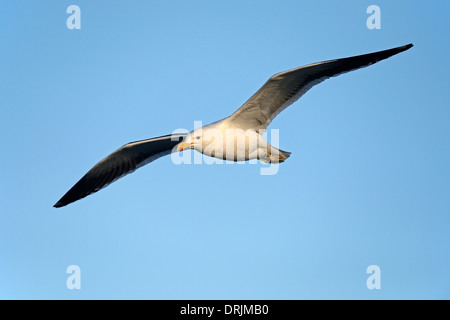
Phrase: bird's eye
[197,137]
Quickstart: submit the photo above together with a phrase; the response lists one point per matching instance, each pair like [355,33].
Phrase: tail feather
[277,155]
[283,155]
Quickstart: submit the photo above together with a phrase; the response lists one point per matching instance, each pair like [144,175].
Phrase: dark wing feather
[120,163]
[284,88]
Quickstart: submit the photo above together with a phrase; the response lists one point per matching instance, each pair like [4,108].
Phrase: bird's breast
[231,144]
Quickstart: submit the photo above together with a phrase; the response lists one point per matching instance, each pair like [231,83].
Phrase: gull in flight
[237,137]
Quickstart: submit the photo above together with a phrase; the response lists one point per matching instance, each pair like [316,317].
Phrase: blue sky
[367,182]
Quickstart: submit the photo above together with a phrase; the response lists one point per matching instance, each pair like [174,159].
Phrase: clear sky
[368,181]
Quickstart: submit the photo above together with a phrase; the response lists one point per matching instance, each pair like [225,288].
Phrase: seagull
[237,137]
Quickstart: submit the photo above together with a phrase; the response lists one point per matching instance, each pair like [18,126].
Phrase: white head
[194,140]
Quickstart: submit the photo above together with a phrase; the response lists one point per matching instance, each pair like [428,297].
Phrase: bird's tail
[276,155]
[283,155]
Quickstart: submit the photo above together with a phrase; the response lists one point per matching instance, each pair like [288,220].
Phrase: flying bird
[237,137]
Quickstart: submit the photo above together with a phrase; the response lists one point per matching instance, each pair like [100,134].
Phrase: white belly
[232,144]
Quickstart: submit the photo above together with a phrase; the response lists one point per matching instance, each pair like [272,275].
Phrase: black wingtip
[59,204]
[71,195]
[408,46]
[400,49]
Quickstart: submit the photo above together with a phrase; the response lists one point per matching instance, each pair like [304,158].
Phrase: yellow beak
[183,145]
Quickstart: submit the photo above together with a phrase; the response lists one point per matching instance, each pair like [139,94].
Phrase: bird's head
[192,141]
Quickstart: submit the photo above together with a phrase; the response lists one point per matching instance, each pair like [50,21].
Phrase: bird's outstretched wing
[120,163]
[284,88]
